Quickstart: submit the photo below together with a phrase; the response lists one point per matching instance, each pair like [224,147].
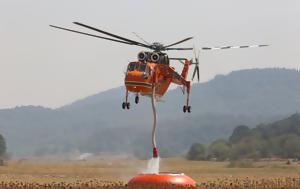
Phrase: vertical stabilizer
[185,69]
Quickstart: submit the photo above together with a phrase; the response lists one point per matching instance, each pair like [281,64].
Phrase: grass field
[119,171]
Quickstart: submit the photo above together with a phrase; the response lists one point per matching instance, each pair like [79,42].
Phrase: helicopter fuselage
[142,76]
[141,79]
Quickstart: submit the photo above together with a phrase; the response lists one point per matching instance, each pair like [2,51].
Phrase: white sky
[40,65]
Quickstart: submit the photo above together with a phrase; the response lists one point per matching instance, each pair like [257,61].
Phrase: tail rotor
[196,63]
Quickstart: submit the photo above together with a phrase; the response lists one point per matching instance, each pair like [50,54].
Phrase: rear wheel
[189,109]
[184,109]
[128,105]
[123,105]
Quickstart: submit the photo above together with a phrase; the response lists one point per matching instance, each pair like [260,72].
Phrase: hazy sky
[43,66]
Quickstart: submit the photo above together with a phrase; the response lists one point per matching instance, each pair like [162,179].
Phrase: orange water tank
[162,180]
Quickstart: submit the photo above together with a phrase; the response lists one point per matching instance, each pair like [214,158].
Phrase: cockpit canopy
[137,66]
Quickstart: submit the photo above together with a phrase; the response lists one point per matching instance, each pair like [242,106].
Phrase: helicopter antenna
[141,38]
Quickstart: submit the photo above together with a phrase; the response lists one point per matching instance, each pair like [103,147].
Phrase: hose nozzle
[155,153]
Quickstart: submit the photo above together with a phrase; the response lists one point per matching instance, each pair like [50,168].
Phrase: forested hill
[98,124]
[280,139]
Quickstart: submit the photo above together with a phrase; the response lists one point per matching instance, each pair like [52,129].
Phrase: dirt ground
[124,169]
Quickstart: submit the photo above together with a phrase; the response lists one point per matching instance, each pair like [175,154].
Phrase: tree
[196,152]
[220,150]
[291,146]
[239,133]
[2,146]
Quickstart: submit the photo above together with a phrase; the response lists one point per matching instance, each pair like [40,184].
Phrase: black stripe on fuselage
[140,84]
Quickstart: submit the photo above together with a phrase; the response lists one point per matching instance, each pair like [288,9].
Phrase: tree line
[280,139]
[2,148]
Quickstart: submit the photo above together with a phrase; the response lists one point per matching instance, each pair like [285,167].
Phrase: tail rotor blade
[198,73]
[195,54]
[194,73]
[196,69]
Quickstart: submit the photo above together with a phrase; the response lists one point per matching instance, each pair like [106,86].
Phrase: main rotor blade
[178,59]
[113,35]
[179,49]
[232,47]
[186,39]
[106,38]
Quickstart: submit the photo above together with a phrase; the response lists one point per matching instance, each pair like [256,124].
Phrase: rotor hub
[156,46]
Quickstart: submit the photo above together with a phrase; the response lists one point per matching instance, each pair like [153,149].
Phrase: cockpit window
[142,68]
[131,67]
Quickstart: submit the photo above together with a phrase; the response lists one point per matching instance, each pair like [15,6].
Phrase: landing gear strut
[187,108]
[126,104]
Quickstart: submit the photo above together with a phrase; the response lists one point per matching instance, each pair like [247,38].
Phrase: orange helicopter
[152,73]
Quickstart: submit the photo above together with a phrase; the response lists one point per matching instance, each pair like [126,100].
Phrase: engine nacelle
[142,56]
[154,57]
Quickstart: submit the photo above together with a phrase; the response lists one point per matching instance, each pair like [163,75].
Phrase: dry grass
[115,173]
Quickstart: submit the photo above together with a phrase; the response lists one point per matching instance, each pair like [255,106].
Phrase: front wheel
[137,99]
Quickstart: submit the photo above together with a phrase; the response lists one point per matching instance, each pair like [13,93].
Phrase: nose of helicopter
[136,81]
[134,75]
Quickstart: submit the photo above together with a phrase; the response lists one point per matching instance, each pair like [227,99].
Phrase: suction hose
[155,151]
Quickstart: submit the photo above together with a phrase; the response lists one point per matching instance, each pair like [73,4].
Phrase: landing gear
[137,99]
[126,104]
[187,108]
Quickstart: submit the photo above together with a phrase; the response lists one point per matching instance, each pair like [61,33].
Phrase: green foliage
[219,149]
[2,146]
[279,139]
[196,152]
[239,133]
[291,146]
